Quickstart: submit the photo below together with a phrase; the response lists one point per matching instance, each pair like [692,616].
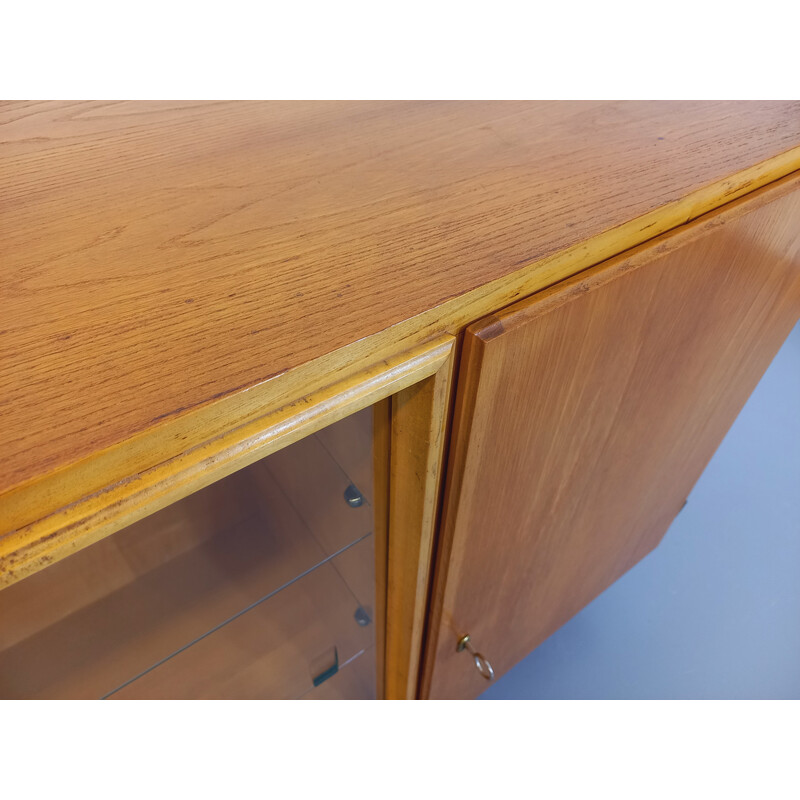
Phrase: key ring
[481,662]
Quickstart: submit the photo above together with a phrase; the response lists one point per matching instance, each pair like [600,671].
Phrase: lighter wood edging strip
[78,525]
[85,481]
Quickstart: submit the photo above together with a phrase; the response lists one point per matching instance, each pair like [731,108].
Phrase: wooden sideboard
[298,396]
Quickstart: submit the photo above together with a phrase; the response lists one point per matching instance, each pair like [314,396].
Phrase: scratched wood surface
[158,257]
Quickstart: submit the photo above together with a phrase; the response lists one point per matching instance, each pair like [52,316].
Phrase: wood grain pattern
[173,270]
[24,551]
[381,446]
[419,424]
[586,414]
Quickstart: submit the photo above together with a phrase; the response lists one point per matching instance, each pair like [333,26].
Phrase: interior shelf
[279,534]
[275,650]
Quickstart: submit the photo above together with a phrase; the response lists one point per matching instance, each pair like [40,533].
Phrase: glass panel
[288,538]
[306,633]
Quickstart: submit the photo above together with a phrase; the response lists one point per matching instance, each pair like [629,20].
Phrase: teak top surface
[158,256]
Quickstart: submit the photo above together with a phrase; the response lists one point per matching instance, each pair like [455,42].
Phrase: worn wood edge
[168,438]
[419,429]
[552,298]
[80,524]
[442,567]
[381,454]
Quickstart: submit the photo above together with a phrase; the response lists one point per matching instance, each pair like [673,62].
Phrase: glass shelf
[160,609]
[307,630]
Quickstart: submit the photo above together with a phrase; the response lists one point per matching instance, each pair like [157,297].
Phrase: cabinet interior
[261,585]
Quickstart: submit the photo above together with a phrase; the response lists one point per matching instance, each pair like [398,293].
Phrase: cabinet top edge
[521,312]
[166,262]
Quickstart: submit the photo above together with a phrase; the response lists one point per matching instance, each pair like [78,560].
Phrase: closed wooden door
[584,416]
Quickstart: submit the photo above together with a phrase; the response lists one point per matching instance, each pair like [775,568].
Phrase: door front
[584,416]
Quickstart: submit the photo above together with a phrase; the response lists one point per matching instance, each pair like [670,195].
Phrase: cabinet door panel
[584,416]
